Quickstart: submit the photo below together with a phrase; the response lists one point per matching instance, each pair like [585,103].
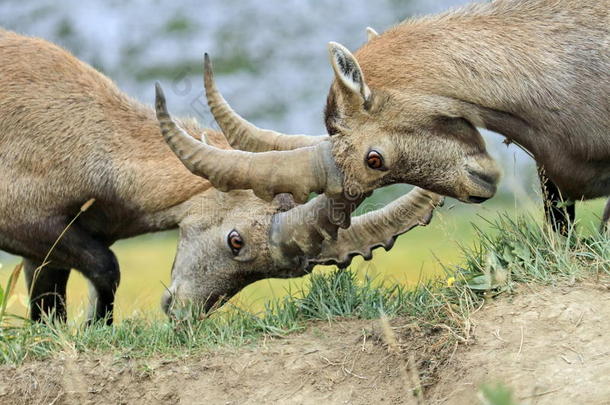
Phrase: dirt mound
[342,362]
[550,345]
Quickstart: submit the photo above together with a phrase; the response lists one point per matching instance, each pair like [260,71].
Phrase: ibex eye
[235,241]
[374,160]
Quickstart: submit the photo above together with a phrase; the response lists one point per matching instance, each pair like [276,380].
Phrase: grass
[496,394]
[337,294]
[525,251]
[512,249]
[7,291]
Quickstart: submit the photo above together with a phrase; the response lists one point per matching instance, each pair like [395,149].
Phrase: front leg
[78,250]
[47,288]
[104,277]
[559,212]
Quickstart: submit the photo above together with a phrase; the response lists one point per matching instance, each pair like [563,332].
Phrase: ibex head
[382,136]
[223,246]
[236,238]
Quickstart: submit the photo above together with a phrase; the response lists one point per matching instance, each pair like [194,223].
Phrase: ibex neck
[157,191]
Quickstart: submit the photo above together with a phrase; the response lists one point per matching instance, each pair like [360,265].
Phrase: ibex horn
[379,228]
[298,172]
[240,133]
[371,33]
[301,232]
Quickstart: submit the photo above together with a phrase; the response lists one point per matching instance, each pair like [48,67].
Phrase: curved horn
[379,228]
[240,133]
[300,233]
[298,172]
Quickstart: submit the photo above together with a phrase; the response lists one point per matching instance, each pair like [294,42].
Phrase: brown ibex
[67,134]
[405,107]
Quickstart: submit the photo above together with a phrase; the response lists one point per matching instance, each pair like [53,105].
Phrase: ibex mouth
[477,200]
[483,186]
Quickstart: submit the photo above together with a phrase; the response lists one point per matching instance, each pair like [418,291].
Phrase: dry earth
[551,345]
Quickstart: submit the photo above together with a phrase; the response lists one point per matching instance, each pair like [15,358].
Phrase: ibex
[405,107]
[67,135]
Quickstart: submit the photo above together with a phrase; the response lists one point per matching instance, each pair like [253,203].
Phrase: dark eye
[374,160]
[235,241]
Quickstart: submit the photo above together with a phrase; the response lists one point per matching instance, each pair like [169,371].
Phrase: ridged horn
[298,172]
[300,233]
[379,228]
[240,133]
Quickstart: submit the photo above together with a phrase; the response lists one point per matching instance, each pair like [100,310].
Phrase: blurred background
[271,64]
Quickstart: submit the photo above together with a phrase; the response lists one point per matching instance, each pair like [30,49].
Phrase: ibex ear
[347,70]
[371,33]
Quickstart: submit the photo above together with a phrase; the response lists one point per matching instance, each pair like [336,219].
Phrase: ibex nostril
[490,179]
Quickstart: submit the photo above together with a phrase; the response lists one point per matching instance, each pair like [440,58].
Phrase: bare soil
[551,345]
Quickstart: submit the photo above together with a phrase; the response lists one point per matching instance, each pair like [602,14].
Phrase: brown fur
[67,135]
[61,118]
[536,71]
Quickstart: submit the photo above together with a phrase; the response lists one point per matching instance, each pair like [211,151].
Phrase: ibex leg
[78,250]
[559,213]
[47,288]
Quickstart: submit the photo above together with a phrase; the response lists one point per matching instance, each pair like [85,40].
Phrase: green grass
[419,255]
[513,249]
[523,250]
[496,394]
[7,291]
[337,294]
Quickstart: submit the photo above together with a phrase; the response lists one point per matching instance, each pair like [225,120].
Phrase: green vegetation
[522,250]
[7,291]
[64,29]
[338,294]
[173,71]
[497,394]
